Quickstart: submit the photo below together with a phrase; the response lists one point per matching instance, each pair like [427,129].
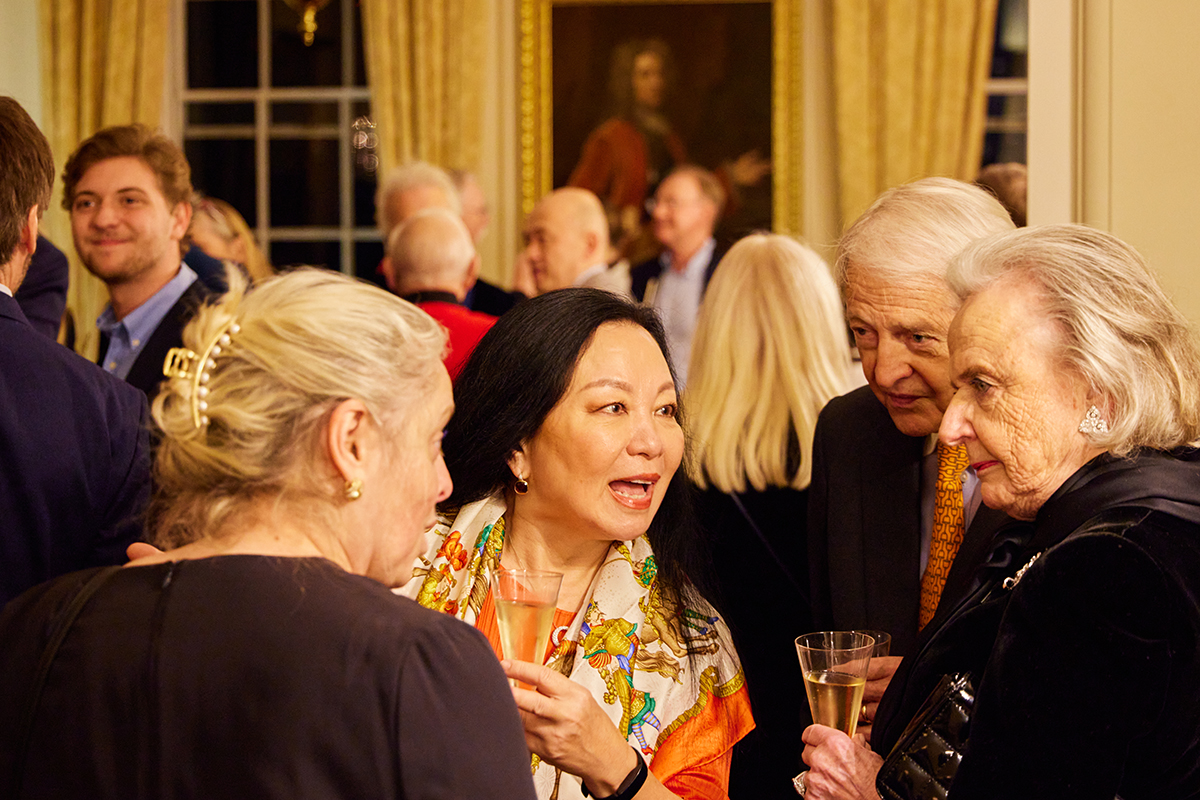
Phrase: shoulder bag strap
[787,573]
[43,669]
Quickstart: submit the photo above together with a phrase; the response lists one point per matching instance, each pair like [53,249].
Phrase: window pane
[304,182]
[225,170]
[313,254]
[295,64]
[364,143]
[220,113]
[367,256]
[222,44]
[1010,51]
[304,113]
[1001,148]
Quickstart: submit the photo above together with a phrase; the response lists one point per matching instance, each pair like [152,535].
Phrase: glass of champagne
[525,601]
[835,673]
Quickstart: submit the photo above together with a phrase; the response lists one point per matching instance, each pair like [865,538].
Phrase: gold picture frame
[536,103]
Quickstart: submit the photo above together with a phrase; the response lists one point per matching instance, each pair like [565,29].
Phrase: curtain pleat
[425,70]
[103,63]
[910,92]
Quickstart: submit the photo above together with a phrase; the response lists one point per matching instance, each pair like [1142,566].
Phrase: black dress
[251,676]
[1088,669]
[763,596]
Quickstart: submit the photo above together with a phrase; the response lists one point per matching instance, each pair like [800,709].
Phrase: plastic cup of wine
[524,600]
[834,664]
[883,643]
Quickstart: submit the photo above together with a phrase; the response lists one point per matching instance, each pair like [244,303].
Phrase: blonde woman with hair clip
[770,350]
[219,230]
[261,654]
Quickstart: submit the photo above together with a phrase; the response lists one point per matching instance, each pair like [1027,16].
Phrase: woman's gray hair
[1121,332]
[917,228]
[304,342]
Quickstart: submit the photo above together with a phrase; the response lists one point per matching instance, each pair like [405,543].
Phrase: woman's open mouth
[636,492]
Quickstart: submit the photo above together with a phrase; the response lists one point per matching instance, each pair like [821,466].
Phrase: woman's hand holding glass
[566,727]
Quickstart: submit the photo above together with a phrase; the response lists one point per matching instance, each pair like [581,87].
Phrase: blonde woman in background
[262,654]
[770,350]
[219,230]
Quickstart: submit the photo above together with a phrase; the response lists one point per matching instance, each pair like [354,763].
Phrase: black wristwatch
[630,786]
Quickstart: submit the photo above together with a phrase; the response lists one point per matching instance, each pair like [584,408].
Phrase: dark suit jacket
[487,298]
[74,469]
[641,275]
[146,372]
[864,524]
[43,293]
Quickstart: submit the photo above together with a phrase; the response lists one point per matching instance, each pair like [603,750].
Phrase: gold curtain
[103,63]
[425,64]
[910,92]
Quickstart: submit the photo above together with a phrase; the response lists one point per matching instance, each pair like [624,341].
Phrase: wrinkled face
[475,213]
[411,479]
[602,460]
[900,328]
[649,82]
[556,246]
[122,224]
[682,214]
[1017,408]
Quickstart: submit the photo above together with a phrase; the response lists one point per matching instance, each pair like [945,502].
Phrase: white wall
[1113,127]
[19,70]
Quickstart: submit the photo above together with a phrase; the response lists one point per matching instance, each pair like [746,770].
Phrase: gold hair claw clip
[184,363]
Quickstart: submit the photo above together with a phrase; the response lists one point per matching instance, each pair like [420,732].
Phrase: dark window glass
[312,254]
[304,182]
[222,44]
[220,113]
[304,113]
[225,169]
[1010,50]
[295,64]
[1001,148]
[367,256]
[364,143]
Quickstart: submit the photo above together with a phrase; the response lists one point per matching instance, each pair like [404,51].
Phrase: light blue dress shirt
[677,301]
[127,337]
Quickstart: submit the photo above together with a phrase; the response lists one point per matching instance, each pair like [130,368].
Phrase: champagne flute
[524,600]
[835,673]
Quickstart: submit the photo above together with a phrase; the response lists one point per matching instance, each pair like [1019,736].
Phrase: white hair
[1121,333]
[413,175]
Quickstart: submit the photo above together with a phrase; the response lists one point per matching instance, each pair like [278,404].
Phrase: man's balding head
[566,234]
[431,251]
[408,189]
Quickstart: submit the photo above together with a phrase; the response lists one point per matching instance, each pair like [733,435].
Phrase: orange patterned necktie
[947,527]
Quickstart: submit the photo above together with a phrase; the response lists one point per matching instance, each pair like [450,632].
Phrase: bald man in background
[431,262]
[566,244]
[418,185]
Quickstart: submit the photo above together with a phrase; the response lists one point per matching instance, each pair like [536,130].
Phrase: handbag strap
[787,573]
[43,669]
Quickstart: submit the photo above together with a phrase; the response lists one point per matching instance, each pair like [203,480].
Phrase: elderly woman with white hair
[262,654]
[1078,399]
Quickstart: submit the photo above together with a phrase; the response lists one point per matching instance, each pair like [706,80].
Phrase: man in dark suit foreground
[871,523]
[74,470]
[129,192]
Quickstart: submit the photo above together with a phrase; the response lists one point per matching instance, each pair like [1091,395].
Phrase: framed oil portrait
[616,92]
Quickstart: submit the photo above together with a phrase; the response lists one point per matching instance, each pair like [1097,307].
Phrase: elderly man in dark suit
[129,192]
[74,470]
[895,527]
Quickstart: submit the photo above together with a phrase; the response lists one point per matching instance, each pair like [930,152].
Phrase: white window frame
[346,233]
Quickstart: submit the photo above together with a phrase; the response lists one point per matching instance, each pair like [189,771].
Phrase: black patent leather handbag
[922,764]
